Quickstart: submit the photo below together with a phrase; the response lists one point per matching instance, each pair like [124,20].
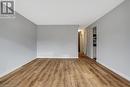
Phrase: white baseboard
[58,57]
[119,73]
[13,69]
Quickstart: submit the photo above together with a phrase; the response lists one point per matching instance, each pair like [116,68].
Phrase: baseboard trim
[58,57]
[123,76]
[9,72]
[113,71]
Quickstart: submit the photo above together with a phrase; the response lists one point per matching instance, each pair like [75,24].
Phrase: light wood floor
[63,73]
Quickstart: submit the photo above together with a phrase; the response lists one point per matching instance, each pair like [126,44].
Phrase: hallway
[82,72]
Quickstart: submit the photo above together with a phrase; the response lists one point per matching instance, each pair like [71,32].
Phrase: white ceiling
[64,12]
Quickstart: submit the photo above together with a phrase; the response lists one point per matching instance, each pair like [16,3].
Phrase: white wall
[89,49]
[113,45]
[17,43]
[58,41]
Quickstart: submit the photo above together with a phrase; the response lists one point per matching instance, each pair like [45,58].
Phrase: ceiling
[64,12]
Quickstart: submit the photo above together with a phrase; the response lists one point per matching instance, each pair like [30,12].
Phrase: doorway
[79,32]
[81,44]
[95,43]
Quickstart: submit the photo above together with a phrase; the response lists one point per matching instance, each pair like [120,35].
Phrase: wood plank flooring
[63,73]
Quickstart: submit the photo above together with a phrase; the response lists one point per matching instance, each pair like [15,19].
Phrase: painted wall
[17,43]
[57,41]
[113,45]
[89,48]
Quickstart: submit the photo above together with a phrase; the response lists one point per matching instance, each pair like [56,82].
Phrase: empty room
[64,43]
